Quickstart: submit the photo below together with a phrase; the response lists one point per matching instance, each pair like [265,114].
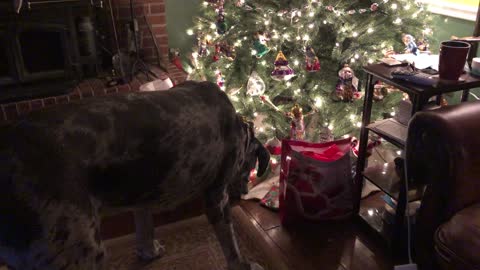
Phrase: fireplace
[45,50]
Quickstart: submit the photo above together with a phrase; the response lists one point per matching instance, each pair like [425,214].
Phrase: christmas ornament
[372,143]
[297,126]
[282,71]
[174,55]
[221,24]
[274,146]
[346,89]
[410,45]
[266,99]
[423,45]
[202,43]
[374,7]
[227,50]
[260,44]
[240,3]
[378,93]
[326,135]
[255,85]
[220,80]
[216,55]
[311,60]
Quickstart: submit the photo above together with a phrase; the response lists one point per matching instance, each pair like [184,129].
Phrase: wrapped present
[315,181]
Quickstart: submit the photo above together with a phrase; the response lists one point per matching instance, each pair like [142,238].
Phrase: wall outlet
[410,266]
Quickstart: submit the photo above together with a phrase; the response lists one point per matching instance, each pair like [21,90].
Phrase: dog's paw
[245,266]
[151,253]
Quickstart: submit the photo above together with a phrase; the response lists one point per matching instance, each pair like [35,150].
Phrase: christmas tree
[293,66]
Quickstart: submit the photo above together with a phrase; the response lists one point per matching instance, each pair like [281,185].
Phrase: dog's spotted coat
[61,166]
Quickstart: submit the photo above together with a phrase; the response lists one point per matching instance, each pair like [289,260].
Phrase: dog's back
[125,150]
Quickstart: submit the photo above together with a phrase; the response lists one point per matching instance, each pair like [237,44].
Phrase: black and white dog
[58,167]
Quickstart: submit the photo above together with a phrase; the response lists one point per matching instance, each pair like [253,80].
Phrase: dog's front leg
[219,216]
[148,247]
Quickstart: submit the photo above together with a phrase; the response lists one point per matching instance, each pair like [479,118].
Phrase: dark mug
[453,56]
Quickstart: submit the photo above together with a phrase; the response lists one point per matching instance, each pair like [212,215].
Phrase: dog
[59,167]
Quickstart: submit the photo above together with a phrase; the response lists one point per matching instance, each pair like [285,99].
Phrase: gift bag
[315,181]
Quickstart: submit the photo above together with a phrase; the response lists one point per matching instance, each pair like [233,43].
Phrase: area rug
[190,245]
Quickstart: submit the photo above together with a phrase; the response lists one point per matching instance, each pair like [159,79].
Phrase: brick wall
[152,12]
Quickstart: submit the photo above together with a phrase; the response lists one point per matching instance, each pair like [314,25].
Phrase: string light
[296,62]
[311,25]
[324,22]
[261,129]
[190,32]
[394,6]
[398,21]
[311,14]
[355,34]
[370,30]
[254,52]
[318,102]
[205,3]
[306,37]
[213,26]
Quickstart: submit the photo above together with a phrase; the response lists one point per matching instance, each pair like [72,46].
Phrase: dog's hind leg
[148,248]
[219,216]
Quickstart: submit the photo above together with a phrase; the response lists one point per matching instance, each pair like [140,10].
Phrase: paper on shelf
[421,61]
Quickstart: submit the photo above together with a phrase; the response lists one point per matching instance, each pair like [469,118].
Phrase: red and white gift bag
[315,181]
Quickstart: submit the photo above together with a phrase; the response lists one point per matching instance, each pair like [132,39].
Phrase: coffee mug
[453,56]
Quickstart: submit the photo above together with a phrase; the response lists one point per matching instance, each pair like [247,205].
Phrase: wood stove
[46,49]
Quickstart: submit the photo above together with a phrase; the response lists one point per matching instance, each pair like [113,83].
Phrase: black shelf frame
[384,176]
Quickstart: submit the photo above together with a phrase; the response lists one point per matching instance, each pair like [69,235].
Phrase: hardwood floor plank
[268,219]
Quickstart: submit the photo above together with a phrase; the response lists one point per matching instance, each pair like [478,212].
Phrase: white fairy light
[190,32]
[311,25]
[244,38]
[324,22]
[254,52]
[407,7]
[306,37]
[311,14]
[234,98]
[264,63]
[357,56]
[337,44]
[208,37]
[352,117]
[255,114]
[205,3]
[359,124]
[286,36]
[273,160]
[298,38]
[370,30]
[392,113]
[261,129]
[398,21]
[370,61]
[318,102]
[299,13]
[276,36]
[330,126]
[289,84]
[394,6]
[267,22]
[352,60]
[399,152]
[296,62]
[213,26]
[297,91]
[355,34]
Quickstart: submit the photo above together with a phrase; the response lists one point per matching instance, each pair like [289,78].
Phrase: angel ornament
[346,89]
[297,125]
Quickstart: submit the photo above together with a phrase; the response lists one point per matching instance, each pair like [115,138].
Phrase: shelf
[371,212]
[386,179]
[390,130]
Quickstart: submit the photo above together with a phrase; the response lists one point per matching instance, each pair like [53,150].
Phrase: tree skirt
[192,245]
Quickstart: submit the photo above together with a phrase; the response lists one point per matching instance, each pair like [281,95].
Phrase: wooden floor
[332,246]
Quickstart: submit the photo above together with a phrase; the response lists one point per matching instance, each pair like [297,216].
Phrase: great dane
[60,166]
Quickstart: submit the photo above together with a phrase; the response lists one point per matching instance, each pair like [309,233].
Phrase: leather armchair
[443,151]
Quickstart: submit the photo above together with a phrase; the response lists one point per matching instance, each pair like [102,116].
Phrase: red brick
[157,8]
[11,112]
[111,90]
[159,30]
[99,92]
[49,101]
[135,84]
[75,96]
[124,88]
[62,99]
[23,107]
[156,19]
[36,104]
